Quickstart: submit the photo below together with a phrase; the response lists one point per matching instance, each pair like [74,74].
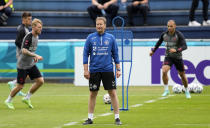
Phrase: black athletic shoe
[88,121]
[117,121]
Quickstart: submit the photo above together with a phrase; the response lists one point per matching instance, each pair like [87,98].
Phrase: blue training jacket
[102,49]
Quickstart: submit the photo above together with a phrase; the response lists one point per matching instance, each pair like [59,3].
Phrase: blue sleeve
[115,51]
[86,51]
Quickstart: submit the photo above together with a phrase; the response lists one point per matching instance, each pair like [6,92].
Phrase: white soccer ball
[198,88]
[107,99]
[177,88]
[191,87]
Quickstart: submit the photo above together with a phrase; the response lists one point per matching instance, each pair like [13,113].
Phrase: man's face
[38,29]
[171,26]
[100,26]
[28,21]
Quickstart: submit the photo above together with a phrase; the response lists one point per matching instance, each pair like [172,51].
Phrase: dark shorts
[177,62]
[107,79]
[33,73]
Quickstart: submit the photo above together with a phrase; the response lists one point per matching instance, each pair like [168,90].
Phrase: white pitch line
[70,123]
[196,125]
[162,98]
[136,105]
[106,114]
[150,101]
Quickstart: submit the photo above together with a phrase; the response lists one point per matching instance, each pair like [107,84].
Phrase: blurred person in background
[106,8]
[6,8]
[194,6]
[137,6]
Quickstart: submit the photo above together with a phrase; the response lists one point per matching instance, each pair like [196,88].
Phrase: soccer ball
[198,88]
[177,88]
[191,87]
[107,99]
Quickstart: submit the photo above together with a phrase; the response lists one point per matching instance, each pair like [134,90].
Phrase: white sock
[9,99]
[186,89]
[90,116]
[166,87]
[116,116]
[28,95]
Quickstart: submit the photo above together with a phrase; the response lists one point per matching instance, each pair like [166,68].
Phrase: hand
[1,7]
[100,6]
[87,74]
[151,53]
[172,50]
[106,5]
[123,1]
[118,74]
[135,3]
[37,58]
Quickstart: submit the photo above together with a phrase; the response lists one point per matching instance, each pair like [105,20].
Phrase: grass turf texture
[59,104]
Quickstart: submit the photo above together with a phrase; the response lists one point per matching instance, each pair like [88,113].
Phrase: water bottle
[124,5]
[103,12]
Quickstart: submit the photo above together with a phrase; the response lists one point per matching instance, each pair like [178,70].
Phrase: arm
[157,44]
[144,2]
[123,1]
[95,2]
[8,3]
[25,49]
[86,72]
[182,42]
[86,53]
[106,5]
[116,58]
[118,71]
[20,35]
[136,3]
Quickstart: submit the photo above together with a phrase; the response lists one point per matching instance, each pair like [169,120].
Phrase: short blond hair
[101,18]
[36,21]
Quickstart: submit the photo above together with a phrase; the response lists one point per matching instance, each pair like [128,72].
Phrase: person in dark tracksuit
[175,43]
[106,8]
[6,8]
[102,49]
[194,6]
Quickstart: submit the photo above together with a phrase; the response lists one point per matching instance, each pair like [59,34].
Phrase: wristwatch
[118,69]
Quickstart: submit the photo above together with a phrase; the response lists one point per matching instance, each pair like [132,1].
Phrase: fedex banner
[146,70]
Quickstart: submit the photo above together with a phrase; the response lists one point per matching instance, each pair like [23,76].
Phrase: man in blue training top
[175,43]
[102,49]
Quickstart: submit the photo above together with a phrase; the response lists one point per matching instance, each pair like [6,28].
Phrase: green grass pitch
[58,105]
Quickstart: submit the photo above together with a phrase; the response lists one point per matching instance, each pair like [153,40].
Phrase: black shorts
[107,79]
[177,62]
[33,73]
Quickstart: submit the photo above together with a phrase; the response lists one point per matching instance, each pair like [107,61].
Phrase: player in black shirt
[22,30]
[175,43]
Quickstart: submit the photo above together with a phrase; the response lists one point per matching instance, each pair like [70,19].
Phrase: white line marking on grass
[195,125]
[136,105]
[150,101]
[106,114]
[162,98]
[70,123]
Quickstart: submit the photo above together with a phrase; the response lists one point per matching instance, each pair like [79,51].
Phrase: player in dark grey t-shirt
[22,30]
[26,65]
[175,43]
